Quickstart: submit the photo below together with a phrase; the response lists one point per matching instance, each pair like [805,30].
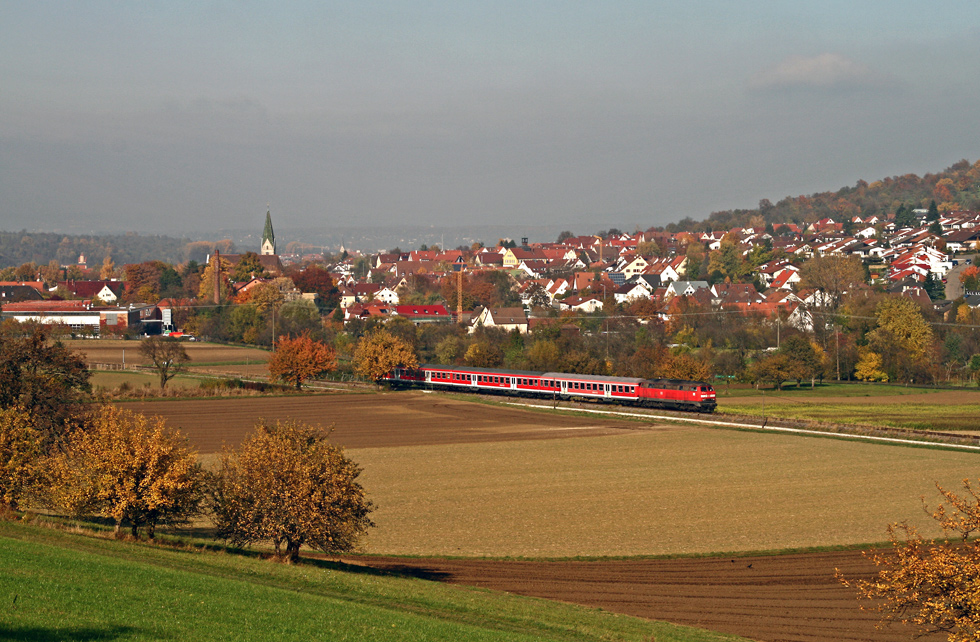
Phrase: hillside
[955,188]
[62,586]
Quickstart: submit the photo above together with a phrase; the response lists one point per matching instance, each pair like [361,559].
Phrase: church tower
[268,236]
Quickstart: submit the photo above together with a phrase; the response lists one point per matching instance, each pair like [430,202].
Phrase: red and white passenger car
[658,393]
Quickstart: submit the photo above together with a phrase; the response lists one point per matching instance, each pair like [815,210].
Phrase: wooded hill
[18,248]
[955,188]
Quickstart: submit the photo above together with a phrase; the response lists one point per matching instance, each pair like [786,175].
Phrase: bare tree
[167,356]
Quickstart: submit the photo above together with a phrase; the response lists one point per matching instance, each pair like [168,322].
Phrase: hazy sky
[186,117]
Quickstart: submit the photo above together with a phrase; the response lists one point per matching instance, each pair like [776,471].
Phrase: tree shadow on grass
[13,633]
[382,570]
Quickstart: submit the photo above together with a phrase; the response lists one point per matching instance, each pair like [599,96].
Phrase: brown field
[784,598]
[457,478]
[369,420]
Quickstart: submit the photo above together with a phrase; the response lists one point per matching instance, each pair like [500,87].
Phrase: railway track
[861,432]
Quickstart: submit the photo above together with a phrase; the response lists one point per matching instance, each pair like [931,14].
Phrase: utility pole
[459,292]
[837,348]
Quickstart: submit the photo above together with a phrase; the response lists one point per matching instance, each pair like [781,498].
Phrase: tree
[127,468]
[774,368]
[166,355]
[20,454]
[970,278]
[379,353]
[206,289]
[43,377]
[287,484]
[902,337]
[934,287]
[869,365]
[298,359]
[803,360]
[108,269]
[833,275]
[316,278]
[249,266]
[931,584]
[484,354]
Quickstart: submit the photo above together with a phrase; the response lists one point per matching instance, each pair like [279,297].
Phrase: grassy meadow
[62,586]
[663,491]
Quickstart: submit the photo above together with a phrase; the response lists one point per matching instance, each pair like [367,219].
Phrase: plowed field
[777,598]
[369,420]
[785,598]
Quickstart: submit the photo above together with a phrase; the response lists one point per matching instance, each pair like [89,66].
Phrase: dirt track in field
[775,598]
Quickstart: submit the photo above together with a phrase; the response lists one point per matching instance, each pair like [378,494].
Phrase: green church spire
[268,236]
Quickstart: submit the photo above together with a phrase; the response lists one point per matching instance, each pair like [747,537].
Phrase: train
[695,396]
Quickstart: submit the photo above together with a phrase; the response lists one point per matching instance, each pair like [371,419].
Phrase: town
[693,304]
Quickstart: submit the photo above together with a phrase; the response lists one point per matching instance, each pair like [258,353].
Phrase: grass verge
[70,586]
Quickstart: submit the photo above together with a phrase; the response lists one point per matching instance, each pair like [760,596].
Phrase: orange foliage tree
[20,454]
[933,585]
[287,484]
[127,468]
[298,359]
[381,352]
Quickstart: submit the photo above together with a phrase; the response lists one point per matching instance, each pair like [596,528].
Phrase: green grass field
[60,586]
[916,415]
[113,379]
[668,491]
[827,389]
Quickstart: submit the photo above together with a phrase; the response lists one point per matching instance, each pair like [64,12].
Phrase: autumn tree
[868,367]
[775,368]
[206,289]
[970,278]
[249,266]
[41,376]
[108,269]
[316,278]
[931,584]
[902,337]
[167,356]
[20,455]
[484,354]
[301,358]
[379,353]
[128,468]
[287,484]
[833,275]
[802,359]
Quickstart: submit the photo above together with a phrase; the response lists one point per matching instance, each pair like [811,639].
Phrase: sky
[189,117]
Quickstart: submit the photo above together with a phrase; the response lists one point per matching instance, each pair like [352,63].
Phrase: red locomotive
[658,393]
